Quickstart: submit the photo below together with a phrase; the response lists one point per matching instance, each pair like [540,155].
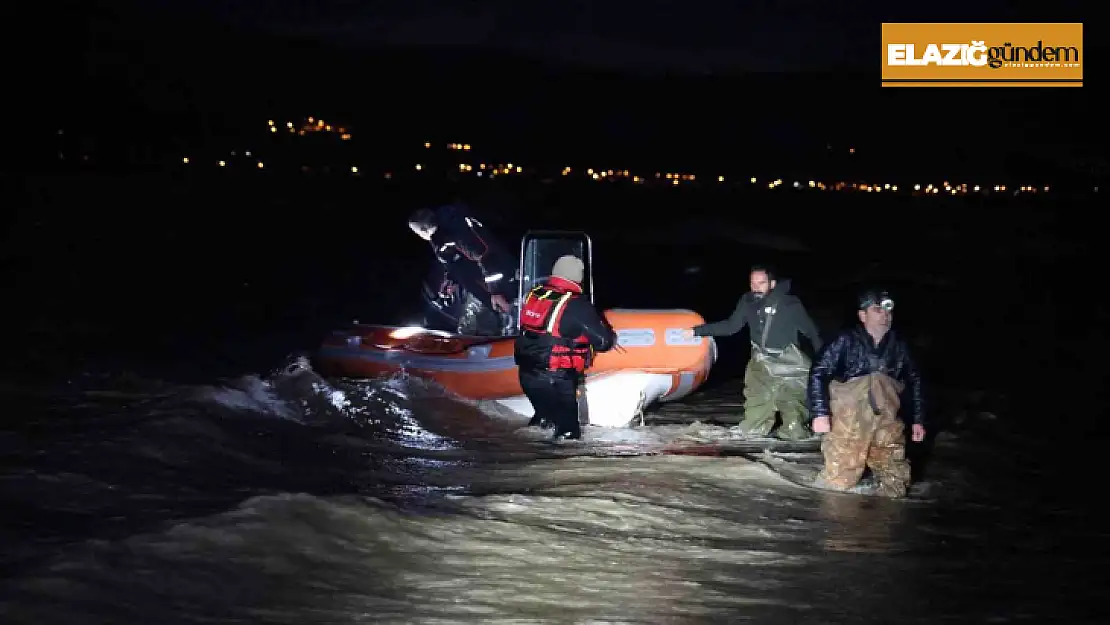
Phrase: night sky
[643,36]
[203,63]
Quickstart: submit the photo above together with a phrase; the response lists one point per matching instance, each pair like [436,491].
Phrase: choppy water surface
[288,499]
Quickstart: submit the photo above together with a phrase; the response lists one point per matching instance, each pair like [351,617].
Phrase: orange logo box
[982,55]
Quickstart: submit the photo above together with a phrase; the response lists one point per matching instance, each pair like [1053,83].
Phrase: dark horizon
[618,37]
[147,68]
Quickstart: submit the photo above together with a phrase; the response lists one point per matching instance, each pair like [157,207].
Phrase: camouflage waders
[775,381]
[865,432]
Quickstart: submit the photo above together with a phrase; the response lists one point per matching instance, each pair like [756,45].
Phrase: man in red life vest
[560,331]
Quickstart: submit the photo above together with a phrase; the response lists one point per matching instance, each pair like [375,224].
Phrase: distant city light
[315,125]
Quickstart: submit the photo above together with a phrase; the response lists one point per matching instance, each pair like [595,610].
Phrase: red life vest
[540,344]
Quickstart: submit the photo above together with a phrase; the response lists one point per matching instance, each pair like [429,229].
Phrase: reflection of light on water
[396,385]
[414,435]
[861,524]
[428,490]
[431,463]
[334,396]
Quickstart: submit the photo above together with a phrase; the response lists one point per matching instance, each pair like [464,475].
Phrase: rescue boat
[655,361]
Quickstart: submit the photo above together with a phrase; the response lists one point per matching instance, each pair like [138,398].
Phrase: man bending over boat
[477,275]
[560,331]
[855,391]
[775,378]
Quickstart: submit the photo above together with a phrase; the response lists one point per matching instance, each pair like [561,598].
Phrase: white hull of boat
[618,400]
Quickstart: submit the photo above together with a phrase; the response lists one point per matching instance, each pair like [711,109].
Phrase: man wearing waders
[776,376]
[855,390]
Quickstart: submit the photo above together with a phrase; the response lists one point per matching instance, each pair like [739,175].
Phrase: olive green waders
[775,382]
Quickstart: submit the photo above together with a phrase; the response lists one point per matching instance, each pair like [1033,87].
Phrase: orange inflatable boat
[657,360]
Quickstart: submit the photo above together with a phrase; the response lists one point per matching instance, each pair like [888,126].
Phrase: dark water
[150,475]
[288,499]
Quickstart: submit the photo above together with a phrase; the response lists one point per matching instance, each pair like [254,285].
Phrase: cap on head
[569,267]
[875,297]
[423,218]
[423,223]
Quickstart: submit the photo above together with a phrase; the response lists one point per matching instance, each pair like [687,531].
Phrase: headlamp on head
[881,299]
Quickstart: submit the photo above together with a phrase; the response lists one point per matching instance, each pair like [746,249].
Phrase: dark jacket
[789,319]
[470,255]
[853,354]
[580,319]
